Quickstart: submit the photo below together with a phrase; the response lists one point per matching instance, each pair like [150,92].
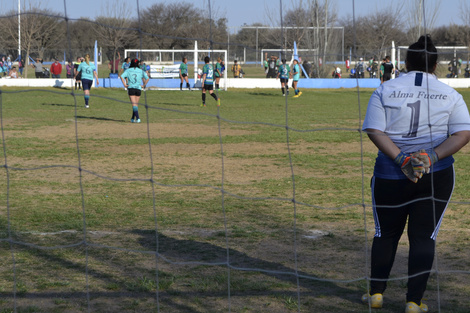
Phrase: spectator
[13,73]
[56,69]
[69,69]
[21,65]
[348,64]
[360,68]
[308,69]
[236,69]
[38,70]
[113,68]
[272,67]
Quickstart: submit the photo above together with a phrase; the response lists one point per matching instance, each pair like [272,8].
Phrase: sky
[237,12]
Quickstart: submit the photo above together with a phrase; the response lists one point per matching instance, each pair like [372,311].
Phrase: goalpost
[164,63]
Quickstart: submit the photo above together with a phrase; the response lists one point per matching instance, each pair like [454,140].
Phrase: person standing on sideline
[38,70]
[21,65]
[218,73]
[295,78]
[134,79]
[388,69]
[184,74]
[413,175]
[113,65]
[272,67]
[208,82]
[69,69]
[56,69]
[236,68]
[87,71]
[348,64]
[283,74]
[77,74]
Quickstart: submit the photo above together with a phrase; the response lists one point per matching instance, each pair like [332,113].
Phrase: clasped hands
[416,164]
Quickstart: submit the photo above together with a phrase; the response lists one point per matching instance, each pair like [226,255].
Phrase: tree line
[313,24]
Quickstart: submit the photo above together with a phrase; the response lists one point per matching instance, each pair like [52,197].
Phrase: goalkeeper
[417,123]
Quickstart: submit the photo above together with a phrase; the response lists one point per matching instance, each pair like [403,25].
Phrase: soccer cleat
[283,94]
[132,120]
[412,307]
[87,106]
[296,96]
[218,102]
[203,105]
[376,300]
[137,120]
[300,93]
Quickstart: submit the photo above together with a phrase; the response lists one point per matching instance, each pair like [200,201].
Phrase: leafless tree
[376,31]
[422,17]
[40,30]
[113,28]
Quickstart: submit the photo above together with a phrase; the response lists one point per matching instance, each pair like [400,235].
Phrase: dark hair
[207,59]
[134,63]
[422,55]
[184,58]
[283,61]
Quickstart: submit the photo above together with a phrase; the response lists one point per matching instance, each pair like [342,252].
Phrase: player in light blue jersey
[125,65]
[283,73]
[134,79]
[417,123]
[87,71]
[295,78]
[208,82]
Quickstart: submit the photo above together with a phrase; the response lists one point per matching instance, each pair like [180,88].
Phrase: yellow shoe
[218,102]
[412,307]
[376,300]
[203,105]
[296,96]
[300,93]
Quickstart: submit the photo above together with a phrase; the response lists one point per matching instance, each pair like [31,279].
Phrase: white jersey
[417,112]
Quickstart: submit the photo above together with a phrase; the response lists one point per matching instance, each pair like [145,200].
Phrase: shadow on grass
[98,118]
[251,277]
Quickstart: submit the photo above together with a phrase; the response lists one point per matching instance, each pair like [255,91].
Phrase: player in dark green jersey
[218,73]
[283,73]
[184,74]
[208,82]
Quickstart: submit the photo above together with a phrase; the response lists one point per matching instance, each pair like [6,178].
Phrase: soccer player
[134,79]
[417,123]
[87,70]
[284,71]
[184,73]
[77,75]
[218,73]
[208,82]
[387,70]
[125,65]
[295,78]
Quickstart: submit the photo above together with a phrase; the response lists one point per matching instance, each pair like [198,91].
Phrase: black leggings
[395,202]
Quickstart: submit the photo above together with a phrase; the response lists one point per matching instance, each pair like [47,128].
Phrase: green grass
[56,192]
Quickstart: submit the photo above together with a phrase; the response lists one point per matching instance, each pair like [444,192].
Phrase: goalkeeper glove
[425,160]
[413,173]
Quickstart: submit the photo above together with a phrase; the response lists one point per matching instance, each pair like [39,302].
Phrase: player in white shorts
[417,123]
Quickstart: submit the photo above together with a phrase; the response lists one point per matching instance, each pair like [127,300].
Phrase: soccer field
[260,205]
